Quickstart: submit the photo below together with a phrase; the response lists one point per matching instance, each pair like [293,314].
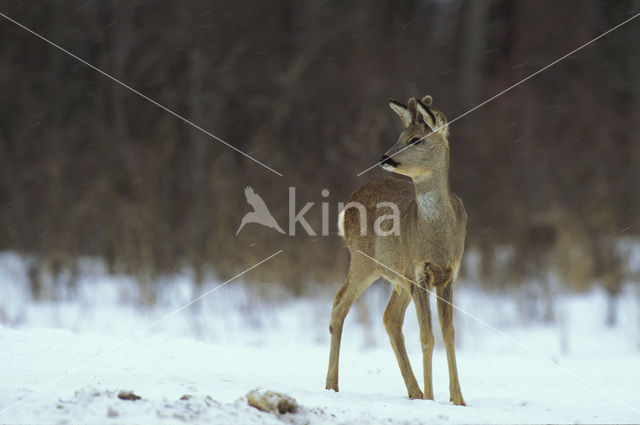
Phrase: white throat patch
[429,203]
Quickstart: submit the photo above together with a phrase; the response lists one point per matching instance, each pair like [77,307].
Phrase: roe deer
[426,251]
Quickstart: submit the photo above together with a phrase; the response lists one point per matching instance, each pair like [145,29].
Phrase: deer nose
[387,160]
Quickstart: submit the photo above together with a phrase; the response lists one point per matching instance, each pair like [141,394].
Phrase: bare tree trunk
[474,45]
[199,144]
[634,145]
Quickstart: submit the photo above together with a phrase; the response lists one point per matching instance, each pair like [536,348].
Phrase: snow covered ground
[197,366]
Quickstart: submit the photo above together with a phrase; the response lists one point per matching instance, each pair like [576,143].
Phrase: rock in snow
[272,402]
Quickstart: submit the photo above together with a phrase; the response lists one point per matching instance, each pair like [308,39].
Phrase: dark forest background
[549,172]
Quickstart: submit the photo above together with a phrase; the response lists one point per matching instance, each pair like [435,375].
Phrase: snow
[233,341]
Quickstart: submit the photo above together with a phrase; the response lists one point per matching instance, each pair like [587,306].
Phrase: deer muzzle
[387,162]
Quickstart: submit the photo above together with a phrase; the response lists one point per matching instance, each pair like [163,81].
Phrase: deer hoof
[332,387]
[416,395]
[458,400]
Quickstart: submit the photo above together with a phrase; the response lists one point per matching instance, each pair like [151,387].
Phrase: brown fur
[426,253]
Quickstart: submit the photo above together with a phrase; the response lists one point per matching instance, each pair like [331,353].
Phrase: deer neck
[432,194]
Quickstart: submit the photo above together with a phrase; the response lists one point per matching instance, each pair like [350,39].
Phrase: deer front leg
[421,299]
[393,318]
[445,315]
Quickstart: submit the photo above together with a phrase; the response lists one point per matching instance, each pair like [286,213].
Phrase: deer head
[423,146]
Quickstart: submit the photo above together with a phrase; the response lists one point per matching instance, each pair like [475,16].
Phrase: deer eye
[416,141]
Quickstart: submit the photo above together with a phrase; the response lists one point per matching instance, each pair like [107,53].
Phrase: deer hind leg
[393,318]
[361,275]
[421,299]
[445,315]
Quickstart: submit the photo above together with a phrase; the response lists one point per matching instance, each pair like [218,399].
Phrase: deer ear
[434,118]
[402,112]
[427,100]
[427,114]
